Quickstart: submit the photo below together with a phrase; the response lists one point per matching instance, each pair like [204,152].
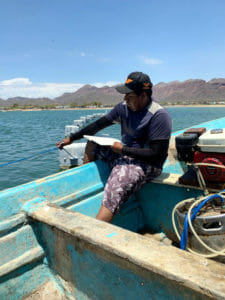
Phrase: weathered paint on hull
[79,257]
[102,261]
[92,269]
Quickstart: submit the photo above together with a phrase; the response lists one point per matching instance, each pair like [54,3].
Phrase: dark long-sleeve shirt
[145,134]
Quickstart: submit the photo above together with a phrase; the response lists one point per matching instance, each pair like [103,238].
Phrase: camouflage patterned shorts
[127,176]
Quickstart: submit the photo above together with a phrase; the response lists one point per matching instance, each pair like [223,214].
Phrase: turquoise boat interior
[52,246]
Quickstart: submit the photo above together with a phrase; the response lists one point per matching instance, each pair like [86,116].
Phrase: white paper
[103,141]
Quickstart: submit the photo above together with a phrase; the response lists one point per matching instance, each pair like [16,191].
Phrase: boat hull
[51,244]
[52,238]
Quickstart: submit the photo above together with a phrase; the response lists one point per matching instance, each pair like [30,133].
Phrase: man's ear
[144,97]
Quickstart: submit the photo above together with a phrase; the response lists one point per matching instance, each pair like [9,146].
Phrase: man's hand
[117,147]
[63,143]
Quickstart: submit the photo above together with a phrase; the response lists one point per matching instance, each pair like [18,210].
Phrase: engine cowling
[211,173]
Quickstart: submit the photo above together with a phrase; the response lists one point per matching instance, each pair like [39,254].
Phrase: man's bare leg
[104,214]
[89,153]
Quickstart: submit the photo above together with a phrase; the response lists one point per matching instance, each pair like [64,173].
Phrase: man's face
[132,101]
[135,102]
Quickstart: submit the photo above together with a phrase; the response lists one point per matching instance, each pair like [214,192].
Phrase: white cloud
[23,87]
[151,61]
[85,54]
[109,83]
[16,82]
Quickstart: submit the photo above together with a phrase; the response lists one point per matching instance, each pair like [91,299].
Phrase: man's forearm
[91,129]
[151,154]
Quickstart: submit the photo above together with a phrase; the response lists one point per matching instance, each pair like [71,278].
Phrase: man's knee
[104,214]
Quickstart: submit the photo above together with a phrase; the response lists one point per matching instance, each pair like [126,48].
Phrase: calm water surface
[25,134]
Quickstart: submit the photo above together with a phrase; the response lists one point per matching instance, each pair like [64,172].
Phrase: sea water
[27,133]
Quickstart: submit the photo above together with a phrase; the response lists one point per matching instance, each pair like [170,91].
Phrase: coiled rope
[191,214]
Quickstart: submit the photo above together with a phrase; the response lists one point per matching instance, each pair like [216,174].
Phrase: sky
[49,47]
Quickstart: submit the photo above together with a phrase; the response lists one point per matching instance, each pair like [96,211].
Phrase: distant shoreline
[197,105]
[102,108]
[39,109]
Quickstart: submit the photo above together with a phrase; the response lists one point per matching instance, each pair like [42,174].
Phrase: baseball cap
[136,82]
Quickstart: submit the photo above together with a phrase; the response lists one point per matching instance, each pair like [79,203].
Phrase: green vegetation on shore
[73,105]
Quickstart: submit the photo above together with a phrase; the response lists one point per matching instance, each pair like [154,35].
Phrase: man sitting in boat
[145,130]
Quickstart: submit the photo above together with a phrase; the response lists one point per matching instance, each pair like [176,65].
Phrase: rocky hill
[186,92]
[21,101]
[2,102]
[90,94]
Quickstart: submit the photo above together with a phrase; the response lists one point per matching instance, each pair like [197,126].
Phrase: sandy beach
[102,108]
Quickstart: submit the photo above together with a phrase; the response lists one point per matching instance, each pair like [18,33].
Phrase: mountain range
[175,92]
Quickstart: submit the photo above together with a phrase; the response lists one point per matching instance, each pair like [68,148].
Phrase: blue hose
[195,210]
